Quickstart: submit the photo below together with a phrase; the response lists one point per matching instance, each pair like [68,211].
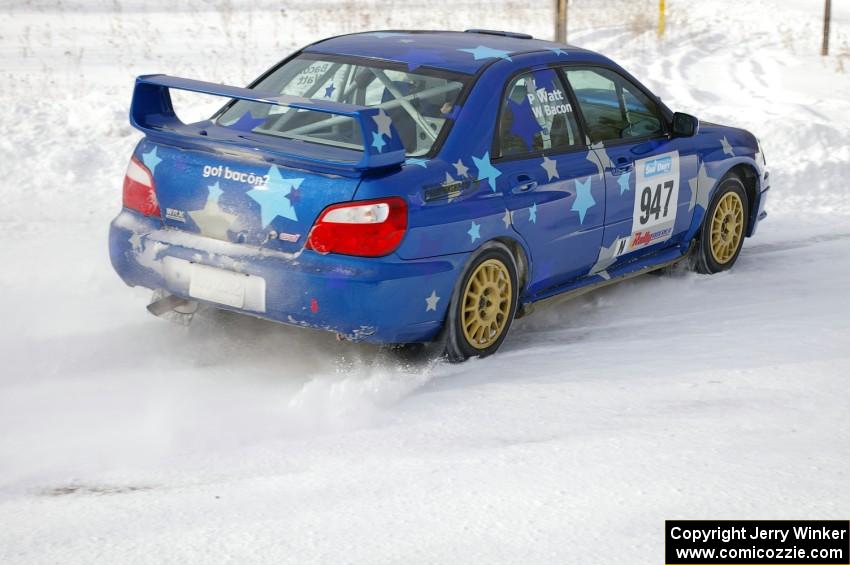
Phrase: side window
[536,114]
[613,108]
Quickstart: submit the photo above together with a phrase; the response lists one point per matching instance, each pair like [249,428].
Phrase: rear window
[420,103]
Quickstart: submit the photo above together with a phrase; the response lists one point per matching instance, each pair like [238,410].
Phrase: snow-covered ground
[124,439]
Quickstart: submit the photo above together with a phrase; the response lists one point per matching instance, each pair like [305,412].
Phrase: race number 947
[655,203]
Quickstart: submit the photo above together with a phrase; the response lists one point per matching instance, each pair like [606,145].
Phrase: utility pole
[561,21]
[827,9]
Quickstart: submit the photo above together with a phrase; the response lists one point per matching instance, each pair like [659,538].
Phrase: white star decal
[461,169]
[700,188]
[727,147]
[431,302]
[607,257]
[507,219]
[384,122]
[213,221]
[551,168]
[447,183]
[136,242]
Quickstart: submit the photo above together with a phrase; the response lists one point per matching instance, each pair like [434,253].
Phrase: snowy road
[129,440]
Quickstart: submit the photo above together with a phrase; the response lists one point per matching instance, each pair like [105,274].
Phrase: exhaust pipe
[172,308]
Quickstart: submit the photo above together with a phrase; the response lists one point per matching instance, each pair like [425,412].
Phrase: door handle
[525,183]
[623,166]
[525,186]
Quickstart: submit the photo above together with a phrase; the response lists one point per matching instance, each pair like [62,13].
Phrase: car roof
[462,52]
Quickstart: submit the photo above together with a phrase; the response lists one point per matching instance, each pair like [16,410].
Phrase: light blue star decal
[151,160]
[532,213]
[378,141]
[483,52]
[215,191]
[419,162]
[272,197]
[623,181]
[474,231]
[486,170]
[584,199]
[557,51]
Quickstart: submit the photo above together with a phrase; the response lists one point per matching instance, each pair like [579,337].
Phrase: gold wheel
[486,304]
[727,227]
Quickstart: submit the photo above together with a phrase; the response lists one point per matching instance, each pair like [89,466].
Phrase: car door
[647,194]
[555,197]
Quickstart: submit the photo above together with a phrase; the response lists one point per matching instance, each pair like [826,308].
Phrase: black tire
[457,348]
[704,260]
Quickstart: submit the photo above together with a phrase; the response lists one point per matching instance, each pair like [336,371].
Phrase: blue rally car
[412,187]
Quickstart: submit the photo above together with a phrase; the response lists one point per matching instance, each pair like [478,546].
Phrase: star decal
[532,213]
[212,220]
[418,162]
[378,141]
[136,241]
[449,181]
[431,302]
[151,160]
[484,52]
[599,157]
[294,196]
[383,122]
[461,169]
[486,170]
[623,181]
[329,91]
[557,51]
[551,168]
[507,219]
[700,188]
[727,147]
[214,191]
[607,257]
[272,197]
[247,122]
[524,124]
[474,231]
[584,199]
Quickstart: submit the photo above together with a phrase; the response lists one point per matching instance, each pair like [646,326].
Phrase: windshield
[420,103]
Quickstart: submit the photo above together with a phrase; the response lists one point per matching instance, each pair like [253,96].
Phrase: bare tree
[561,21]
[827,12]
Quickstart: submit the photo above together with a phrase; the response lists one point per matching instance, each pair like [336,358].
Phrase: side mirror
[684,125]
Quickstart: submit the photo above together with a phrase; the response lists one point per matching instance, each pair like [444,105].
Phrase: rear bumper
[366,299]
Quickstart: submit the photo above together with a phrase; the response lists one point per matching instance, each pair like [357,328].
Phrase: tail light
[139,189]
[369,228]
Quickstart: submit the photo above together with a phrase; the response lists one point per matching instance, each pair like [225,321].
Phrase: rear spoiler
[152,112]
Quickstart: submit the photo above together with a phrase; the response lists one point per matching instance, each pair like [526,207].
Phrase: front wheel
[722,234]
[483,305]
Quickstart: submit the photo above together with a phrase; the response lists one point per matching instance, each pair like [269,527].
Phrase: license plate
[218,285]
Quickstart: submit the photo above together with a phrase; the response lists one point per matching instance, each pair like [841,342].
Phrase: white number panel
[656,200]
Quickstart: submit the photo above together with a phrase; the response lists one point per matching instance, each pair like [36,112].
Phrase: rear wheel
[722,234]
[483,305]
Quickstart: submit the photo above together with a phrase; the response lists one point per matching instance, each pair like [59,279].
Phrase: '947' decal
[656,199]
[650,202]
